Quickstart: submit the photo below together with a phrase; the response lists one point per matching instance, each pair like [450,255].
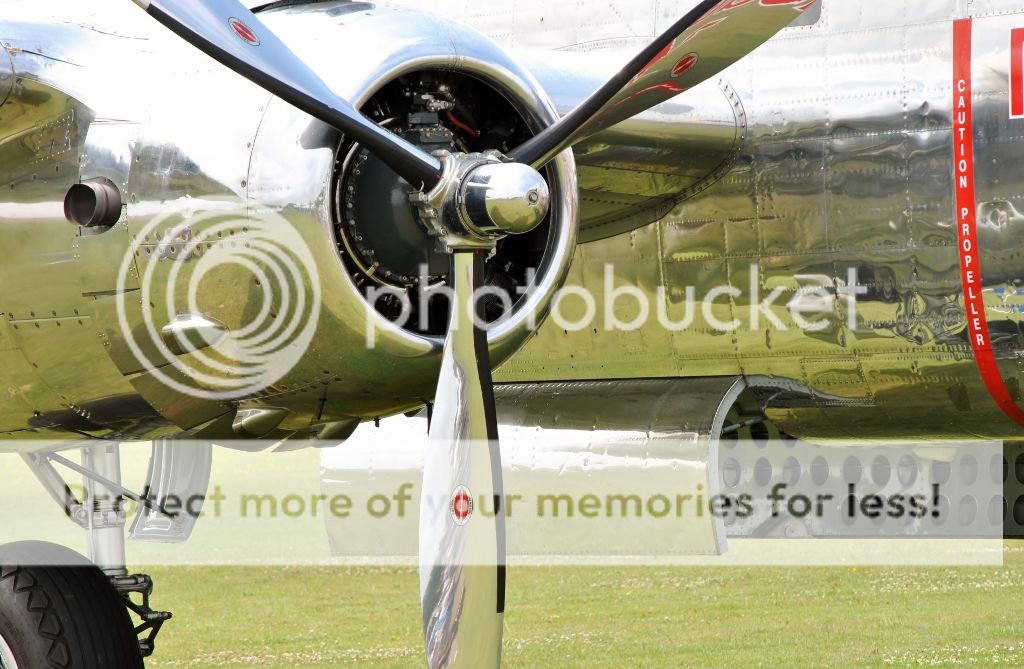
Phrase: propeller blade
[462,524]
[232,35]
[711,37]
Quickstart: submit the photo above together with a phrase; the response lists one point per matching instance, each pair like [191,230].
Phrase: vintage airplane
[871,149]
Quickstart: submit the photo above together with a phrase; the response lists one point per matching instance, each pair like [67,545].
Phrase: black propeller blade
[232,35]
[711,37]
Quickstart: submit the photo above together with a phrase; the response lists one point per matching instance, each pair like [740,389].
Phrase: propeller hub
[482,199]
[505,198]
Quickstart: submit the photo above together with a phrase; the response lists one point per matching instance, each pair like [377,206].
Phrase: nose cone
[510,198]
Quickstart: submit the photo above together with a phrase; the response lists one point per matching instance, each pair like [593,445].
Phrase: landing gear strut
[103,518]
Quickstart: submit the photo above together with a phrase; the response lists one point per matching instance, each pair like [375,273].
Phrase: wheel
[59,611]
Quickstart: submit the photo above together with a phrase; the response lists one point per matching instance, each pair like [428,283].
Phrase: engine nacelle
[249,287]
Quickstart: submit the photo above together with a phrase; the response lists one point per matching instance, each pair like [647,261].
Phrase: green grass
[608,617]
[594,618]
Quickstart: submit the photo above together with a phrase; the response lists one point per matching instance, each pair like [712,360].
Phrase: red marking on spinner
[967,222]
[1017,73]
[686,64]
[462,505]
[244,32]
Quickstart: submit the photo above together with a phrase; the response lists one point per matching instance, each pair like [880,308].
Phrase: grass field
[608,617]
[597,618]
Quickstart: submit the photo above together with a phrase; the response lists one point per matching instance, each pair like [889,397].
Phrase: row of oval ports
[964,515]
[966,470]
[880,473]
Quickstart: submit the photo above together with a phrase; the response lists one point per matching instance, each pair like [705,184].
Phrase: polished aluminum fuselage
[848,162]
[829,149]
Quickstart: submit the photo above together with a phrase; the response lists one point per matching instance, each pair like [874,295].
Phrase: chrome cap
[509,198]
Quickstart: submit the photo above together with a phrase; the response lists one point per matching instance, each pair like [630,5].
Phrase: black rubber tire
[59,611]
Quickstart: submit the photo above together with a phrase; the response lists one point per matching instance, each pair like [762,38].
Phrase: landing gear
[102,515]
[58,610]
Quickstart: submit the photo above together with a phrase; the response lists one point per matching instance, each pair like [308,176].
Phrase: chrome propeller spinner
[481,199]
[468,202]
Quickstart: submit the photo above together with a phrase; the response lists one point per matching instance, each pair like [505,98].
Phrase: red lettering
[966,203]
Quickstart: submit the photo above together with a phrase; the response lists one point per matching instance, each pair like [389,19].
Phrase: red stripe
[1017,73]
[966,218]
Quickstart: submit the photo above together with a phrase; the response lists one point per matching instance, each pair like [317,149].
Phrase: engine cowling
[412,58]
[347,224]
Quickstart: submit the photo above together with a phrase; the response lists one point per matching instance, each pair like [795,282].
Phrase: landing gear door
[178,480]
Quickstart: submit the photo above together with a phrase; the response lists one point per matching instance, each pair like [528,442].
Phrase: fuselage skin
[830,149]
[848,164]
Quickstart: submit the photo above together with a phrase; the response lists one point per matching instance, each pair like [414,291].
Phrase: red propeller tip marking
[685,64]
[247,34]
[462,505]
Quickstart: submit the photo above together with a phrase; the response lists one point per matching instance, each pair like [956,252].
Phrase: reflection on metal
[460,211]
[634,173]
[258,423]
[184,410]
[188,333]
[708,38]
[513,197]
[215,29]
[836,175]
[336,432]
[640,437]
[805,158]
[687,412]
[462,553]
[67,122]
[178,478]
[103,498]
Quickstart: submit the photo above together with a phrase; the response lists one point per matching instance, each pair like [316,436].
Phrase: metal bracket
[152,621]
[178,471]
[439,210]
[57,488]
